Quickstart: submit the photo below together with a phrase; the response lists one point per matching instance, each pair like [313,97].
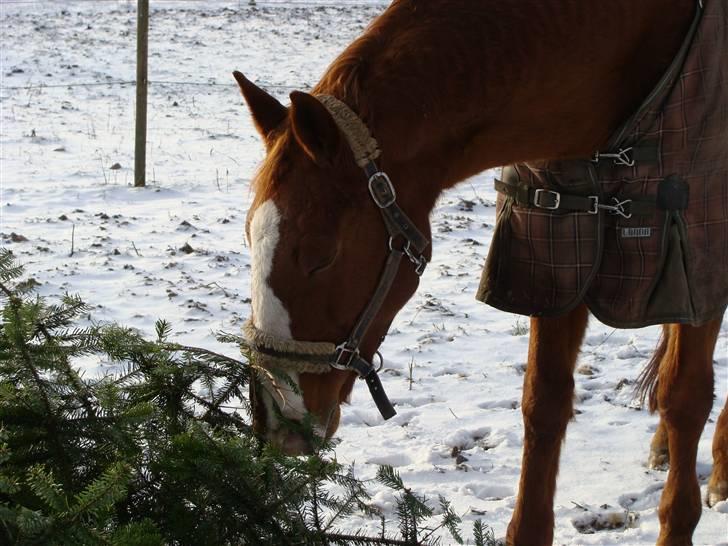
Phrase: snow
[458,430]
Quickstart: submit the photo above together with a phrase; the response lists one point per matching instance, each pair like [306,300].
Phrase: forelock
[271,170]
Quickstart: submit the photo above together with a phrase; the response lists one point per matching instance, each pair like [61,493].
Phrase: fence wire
[41,86]
[247,4]
[216,3]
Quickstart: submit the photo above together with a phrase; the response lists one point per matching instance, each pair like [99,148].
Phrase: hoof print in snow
[186,248]
[466,205]
[489,443]
[604,518]
[456,454]
[519,368]
[585,369]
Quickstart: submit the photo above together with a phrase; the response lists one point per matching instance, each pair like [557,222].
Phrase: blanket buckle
[541,192]
[622,157]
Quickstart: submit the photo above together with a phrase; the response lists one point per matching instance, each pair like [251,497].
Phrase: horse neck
[452,88]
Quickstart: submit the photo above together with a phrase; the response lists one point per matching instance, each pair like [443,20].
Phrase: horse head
[319,246]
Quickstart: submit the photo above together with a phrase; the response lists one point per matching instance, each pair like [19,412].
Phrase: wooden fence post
[140,141]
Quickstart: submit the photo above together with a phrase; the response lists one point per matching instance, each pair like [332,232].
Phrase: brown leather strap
[386,279]
[552,200]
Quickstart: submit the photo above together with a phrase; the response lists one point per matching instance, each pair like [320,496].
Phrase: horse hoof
[659,459]
[717,493]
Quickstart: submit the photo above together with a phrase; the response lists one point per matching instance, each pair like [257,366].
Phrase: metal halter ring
[405,249]
[381,361]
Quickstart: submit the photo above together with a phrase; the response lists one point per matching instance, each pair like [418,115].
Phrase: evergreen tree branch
[49,419]
[342,538]
[151,457]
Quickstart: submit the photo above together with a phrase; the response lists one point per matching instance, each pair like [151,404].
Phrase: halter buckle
[345,363]
[382,190]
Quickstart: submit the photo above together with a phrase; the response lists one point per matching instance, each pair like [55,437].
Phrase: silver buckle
[594,204]
[537,199]
[385,198]
[340,350]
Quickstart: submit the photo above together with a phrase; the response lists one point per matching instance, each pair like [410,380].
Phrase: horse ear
[314,128]
[267,112]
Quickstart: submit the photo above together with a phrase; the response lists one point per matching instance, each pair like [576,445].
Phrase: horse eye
[316,253]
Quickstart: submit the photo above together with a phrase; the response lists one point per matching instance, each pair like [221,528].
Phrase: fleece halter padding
[276,353]
[363,145]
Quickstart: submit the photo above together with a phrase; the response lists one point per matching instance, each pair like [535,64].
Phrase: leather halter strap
[401,231]
[405,240]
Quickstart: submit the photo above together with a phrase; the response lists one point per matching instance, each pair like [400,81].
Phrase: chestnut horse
[450,88]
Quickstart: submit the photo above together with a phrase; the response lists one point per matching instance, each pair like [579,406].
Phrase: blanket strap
[541,198]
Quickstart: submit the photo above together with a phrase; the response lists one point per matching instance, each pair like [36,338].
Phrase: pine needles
[160,452]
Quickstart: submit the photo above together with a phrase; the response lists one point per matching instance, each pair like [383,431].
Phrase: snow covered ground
[176,250]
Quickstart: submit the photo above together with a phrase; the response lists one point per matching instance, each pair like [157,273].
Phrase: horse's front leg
[548,391]
[684,398]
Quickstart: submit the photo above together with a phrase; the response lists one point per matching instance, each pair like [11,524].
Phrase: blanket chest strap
[541,198]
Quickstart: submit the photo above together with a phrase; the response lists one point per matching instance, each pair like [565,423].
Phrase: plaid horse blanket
[639,233]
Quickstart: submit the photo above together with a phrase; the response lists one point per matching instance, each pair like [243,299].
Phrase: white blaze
[269,314]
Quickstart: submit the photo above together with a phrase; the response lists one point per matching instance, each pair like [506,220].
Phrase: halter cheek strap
[405,240]
[401,230]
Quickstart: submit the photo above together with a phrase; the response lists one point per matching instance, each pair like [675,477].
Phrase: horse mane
[344,79]
[346,76]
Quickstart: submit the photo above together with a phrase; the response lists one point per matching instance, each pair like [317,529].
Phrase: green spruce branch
[162,451]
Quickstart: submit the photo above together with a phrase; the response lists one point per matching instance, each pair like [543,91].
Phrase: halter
[405,240]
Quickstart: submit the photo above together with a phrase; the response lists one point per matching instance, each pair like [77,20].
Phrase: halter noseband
[320,357]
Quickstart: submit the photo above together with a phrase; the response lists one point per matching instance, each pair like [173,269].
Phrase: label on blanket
[631,232]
